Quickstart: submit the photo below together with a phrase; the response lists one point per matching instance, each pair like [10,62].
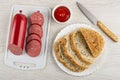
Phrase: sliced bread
[94,41]
[71,54]
[58,48]
[80,47]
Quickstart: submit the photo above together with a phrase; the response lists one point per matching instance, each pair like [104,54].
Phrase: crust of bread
[94,41]
[84,54]
[58,48]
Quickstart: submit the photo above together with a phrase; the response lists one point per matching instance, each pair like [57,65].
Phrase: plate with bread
[79,49]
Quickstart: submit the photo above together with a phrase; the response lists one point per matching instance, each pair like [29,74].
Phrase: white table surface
[108,11]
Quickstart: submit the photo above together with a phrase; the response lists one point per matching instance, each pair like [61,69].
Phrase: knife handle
[109,33]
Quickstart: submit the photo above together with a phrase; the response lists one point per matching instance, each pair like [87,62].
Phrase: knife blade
[97,22]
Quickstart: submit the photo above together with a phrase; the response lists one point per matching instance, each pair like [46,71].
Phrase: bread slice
[71,54]
[58,48]
[94,41]
[80,47]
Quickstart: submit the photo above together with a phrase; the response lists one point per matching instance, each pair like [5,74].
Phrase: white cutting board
[24,61]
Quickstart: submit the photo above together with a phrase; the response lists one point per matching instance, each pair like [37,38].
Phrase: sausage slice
[36,29]
[37,18]
[32,36]
[33,48]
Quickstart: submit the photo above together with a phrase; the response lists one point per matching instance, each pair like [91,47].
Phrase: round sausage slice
[36,29]
[37,18]
[33,48]
[32,36]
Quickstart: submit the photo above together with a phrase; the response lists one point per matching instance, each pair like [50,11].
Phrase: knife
[97,22]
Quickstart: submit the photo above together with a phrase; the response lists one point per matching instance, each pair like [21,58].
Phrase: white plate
[98,62]
[24,61]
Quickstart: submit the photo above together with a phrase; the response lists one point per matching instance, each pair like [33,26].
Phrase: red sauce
[62,14]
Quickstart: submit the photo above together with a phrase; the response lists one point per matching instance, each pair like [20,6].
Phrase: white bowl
[56,8]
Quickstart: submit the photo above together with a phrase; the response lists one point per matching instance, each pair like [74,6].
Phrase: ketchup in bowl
[62,14]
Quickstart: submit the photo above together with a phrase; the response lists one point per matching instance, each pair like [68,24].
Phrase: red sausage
[17,34]
[33,48]
[36,29]
[37,18]
[31,37]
